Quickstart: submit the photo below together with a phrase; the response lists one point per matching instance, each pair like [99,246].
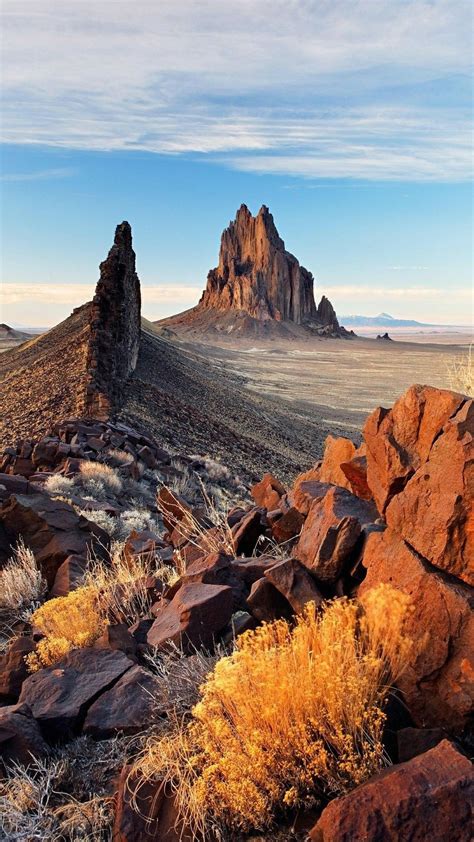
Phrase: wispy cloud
[308,88]
[29,303]
[39,175]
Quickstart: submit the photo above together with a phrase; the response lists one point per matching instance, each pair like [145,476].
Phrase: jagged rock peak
[326,314]
[257,275]
[114,326]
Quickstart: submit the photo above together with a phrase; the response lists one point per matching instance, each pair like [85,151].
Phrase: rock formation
[115,327]
[258,279]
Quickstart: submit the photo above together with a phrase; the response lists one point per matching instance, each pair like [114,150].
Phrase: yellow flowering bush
[66,622]
[293,714]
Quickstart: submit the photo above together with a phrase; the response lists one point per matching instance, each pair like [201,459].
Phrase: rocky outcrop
[429,797]
[256,273]
[258,286]
[114,327]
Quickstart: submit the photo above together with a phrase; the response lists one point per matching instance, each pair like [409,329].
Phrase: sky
[350,120]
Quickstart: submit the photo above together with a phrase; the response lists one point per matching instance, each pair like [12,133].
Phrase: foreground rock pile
[397,509]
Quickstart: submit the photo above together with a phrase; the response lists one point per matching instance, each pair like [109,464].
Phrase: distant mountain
[382,320]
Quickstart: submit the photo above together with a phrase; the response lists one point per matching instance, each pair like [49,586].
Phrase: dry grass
[121,585]
[214,535]
[66,622]
[291,716]
[101,474]
[22,588]
[66,796]
[58,486]
[461,374]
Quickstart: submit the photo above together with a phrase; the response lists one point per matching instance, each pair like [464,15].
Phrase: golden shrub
[292,715]
[67,622]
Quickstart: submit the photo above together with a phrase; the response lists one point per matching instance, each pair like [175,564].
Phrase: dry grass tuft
[22,587]
[212,533]
[294,714]
[461,374]
[121,585]
[67,622]
[103,474]
[58,486]
[67,796]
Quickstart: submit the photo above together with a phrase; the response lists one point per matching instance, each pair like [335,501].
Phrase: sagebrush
[292,716]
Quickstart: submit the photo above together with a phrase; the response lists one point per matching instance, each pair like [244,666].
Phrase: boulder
[331,532]
[355,472]
[60,695]
[336,451]
[427,798]
[145,811]
[253,568]
[399,440]
[69,576]
[266,603]
[117,637]
[295,583]
[438,683]
[20,736]
[288,526]
[195,615]
[248,530]
[141,543]
[268,492]
[13,669]
[435,510]
[128,707]
[414,741]
[51,529]
[216,569]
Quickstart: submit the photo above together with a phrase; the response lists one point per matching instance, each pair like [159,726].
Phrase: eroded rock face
[114,327]
[438,683]
[257,275]
[429,797]
[399,440]
[435,511]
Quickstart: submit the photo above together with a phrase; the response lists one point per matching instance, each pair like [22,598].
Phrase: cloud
[27,304]
[309,88]
[39,175]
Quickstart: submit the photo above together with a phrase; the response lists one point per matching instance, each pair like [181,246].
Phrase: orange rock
[268,492]
[399,440]
[438,683]
[336,451]
[427,798]
[331,531]
[435,512]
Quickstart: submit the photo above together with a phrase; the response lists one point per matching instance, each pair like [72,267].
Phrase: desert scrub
[58,486]
[66,622]
[293,715]
[461,374]
[100,476]
[120,585]
[22,587]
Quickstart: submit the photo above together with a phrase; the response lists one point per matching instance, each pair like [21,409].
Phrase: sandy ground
[338,381]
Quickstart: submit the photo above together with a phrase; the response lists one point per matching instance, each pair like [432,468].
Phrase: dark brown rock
[114,327]
[51,529]
[435,510]
[20,736]
[118,637]
[266,603]
[248,530]
[60,695]
[13,669]
[295,583]
[69,576]
[427,798]
[146,811]
[331,531]
[252,569]
[414,741]
[195,615]
[438,683]
[399,440]
[130,706]
[288,526]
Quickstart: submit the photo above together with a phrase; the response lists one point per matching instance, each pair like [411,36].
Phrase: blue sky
[350,120]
